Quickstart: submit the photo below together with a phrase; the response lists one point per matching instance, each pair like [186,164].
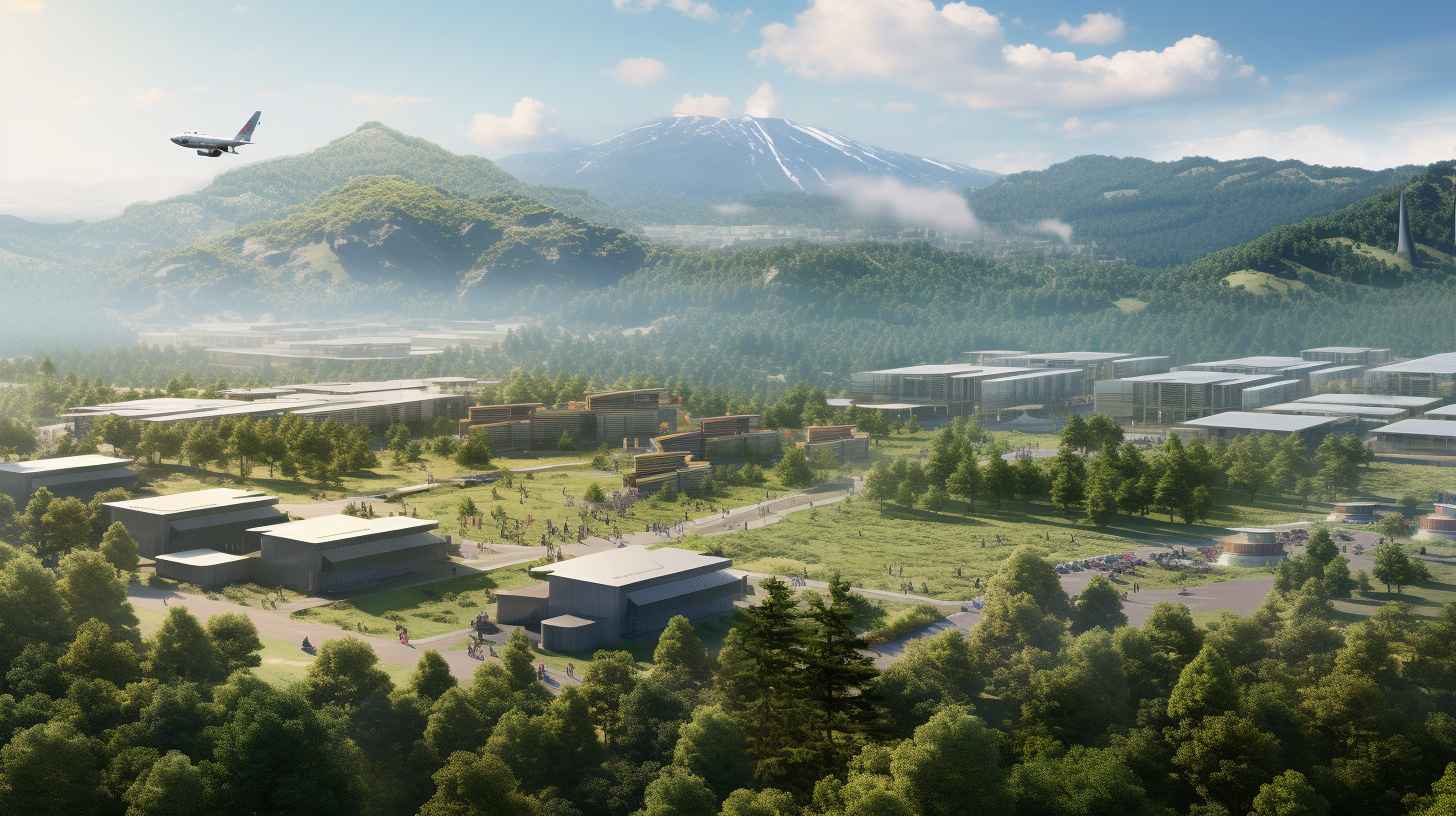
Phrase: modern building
[1250,547]
[1444,412]
[1416,436]
[1371,413]
[1354,512]
[1138,366]
[80,476]
[924,391]
[1232,424]
[1099,365]
[206,568]
[82,417]
[1411,405]
[1439,525]
[384,408]
[614,418]
[652,472]
[212,519]
[727,438]
[1177,396]
[842,442]
[1337,378]
[600,599]
[1433,376]
[1348,355]
[1033,390]
[334,553]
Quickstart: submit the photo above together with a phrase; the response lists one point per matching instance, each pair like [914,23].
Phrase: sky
[92,90]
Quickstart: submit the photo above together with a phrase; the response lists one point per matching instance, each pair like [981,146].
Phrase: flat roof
[569,622]
[1275,384]
[149,407]
[1258,361]
[1188,377]
[928,369]
[839,402]
[1443,411]
[1145,358]
[61,464]
[1076,356]
[1341,369]
[1333,409]
[893,406]
[1443,428]
[1385,400]
[326,529]
[1254,421]
[221,497]
[1037,374]
[201,557]
[631,565]
[1341,350]
[376,400]
[992,371]
[1444,363]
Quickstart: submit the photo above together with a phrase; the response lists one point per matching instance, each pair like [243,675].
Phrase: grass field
[860,542]
[425,609]
[1425,599]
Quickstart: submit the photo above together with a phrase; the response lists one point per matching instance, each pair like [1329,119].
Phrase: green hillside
[390,238]
[1356,244]
[267,189]
[1164,213]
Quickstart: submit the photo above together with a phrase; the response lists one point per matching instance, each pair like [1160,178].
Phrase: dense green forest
[1051,705]
[1164,213]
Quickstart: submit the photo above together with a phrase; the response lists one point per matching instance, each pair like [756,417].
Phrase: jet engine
[210,153]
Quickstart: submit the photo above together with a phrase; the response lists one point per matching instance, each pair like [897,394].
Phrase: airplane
[214,146]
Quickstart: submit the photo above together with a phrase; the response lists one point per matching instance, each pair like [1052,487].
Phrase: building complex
[79,476]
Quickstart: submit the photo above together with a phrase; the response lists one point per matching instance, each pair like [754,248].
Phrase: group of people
[402,633]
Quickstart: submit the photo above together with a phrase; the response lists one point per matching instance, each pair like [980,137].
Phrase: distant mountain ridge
[267,189]
[685,164]
[387,237]
[1162,213]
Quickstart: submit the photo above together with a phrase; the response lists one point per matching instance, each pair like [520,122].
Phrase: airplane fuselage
[206,145]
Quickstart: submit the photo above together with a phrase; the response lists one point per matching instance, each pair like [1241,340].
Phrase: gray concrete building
[600,599]
[214,519]
[80,476]
[1416,436]
[1177,396]
[1432,376]
[1348,355]
[335,553]
[206,568]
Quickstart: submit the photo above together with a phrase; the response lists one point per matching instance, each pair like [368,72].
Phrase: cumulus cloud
[1055,227]
[888,197]
[961,51]
[526,124]
[764,101]
[639,71]
[1097,28]
[1316,144]
[385,101]
[696,9]
[703,105]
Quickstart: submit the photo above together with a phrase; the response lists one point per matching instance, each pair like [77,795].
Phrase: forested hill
[267,189]
[1355,244]
[380,240]
[1163,213]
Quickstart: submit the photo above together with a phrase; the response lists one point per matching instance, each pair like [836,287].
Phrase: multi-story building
[1433,376]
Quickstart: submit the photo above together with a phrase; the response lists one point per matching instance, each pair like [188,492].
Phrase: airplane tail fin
[246,134]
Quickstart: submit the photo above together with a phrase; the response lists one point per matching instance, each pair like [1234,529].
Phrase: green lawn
[1394,480]
[425,609]
[859,541]
[1424,599]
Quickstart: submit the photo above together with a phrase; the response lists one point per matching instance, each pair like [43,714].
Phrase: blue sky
[93,89]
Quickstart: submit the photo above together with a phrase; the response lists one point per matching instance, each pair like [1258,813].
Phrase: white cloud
[148,97]
[696,9]
[960,51]
[884,196]
[764,101]
[1316,144]
[733,208]
[703,105]
[1077,126]
[527,123]
[24,6]
[1057,227]
[1097,28]
[385,101]
[639,71]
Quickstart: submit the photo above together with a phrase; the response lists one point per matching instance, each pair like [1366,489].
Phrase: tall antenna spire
[1404,246]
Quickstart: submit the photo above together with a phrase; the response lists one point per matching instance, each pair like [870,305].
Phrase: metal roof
[1443,428]
[61,464]
[1318,409]
[1038,373]
[195,500]
[1257,361]
[929,369]
[1434,364]
[1253,421]
[327,529]
[1187,377]
[1275,384]
[992,371]
[631,565]
[1076,356]
[569,622]
[1341,350]
[383,546]
[1386,400]
[1443,412]
[658,593]
[202,557]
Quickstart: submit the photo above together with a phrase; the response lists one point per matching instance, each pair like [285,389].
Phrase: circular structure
[1354,512]
[1250,547]
[1440,525]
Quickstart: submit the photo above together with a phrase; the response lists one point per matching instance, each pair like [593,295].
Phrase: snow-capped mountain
[684,159]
